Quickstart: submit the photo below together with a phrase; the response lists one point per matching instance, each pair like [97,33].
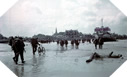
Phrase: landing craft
[104,32]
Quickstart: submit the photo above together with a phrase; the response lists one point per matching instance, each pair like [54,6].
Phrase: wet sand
[68,62]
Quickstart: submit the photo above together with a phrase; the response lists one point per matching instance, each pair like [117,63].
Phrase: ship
[104,32]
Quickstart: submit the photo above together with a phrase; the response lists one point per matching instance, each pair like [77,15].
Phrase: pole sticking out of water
[102,21]
[102,24]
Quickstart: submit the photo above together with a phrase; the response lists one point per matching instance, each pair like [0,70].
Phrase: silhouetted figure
[57,42]
[11,41]
[83,41]
[66,43]
[61,43]
[72,42]
[89,40]
[76,44]
[95,42]
[34,43]
[101,42]
[12,44]
[19,46]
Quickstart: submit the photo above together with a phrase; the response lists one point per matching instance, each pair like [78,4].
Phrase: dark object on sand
[114,56]
[94,56]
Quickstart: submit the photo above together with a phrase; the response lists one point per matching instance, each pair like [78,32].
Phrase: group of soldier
[97,41]
[18,46]
[62,42]
[74,42]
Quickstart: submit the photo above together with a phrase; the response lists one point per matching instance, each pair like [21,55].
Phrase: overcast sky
[29,17]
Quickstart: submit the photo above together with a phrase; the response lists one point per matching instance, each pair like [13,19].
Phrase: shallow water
[65,62]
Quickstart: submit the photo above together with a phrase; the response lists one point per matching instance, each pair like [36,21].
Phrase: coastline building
[72,33]
[58,36]
[67,35]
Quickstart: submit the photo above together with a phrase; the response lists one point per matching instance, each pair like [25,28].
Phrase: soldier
[19,47]
[57,42]
[62,43]
[66,43]
[95,42]
[76,44]
[72,42]
[101,42]
[34,44]
[12,43]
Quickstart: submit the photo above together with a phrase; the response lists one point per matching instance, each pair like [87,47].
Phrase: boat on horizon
[104,32]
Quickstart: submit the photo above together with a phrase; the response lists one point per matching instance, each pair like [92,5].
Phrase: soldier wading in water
[98,41]
[34,43]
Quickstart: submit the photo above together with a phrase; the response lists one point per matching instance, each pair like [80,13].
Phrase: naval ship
[104,32]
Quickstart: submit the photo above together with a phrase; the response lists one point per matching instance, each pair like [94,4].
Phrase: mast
[56,31]
[102,22]
[102,25]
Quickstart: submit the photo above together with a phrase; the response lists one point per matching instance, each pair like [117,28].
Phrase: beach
[66,62]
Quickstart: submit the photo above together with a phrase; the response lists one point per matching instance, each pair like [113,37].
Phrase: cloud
[29,17]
